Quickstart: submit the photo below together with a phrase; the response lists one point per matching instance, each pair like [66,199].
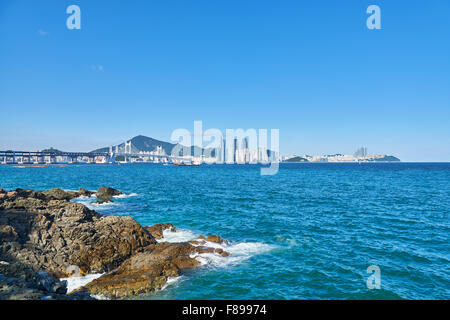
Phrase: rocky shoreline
[44,237]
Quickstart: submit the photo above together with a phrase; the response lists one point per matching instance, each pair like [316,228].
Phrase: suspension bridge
[125,154]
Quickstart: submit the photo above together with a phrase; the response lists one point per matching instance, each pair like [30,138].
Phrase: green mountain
[142,143]
[145,144]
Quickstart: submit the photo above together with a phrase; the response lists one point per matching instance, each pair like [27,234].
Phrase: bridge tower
[112,155]
[127,147]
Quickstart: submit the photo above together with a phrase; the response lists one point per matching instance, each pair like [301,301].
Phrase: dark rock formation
[211,238]
[221,252]
[53,194]
[85,193]
[51,235]
[58,194]
[144,272]
[43,236]
[157,230]
[106,193]
[20,282]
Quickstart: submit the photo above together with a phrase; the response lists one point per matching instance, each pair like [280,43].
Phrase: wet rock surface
[51,235]
[144,272]
[85,193]
[149,270]
[20,282]
[43,236]
[157,230]
[106,193]
[210,238]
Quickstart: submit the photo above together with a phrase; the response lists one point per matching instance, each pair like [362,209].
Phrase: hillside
[51,150]
[142,143]
[296,159]
[145,144]
[387,159]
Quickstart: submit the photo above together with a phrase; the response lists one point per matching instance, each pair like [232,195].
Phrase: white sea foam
[78,282]
[85,197]
[171,281]
[91,204]
[123,196]
[98,206]
[181,235]
[239,251]
[93,196]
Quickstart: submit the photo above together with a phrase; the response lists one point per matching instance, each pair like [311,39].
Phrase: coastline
[46,238]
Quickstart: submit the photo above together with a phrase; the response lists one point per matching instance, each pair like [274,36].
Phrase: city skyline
[317,74]
[241,143]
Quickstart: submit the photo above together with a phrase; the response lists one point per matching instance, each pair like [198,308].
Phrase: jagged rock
[84,192]
[203,249]
[44,232]
[144,272]
[117,239]
[11,194]
[58,194]
[2,190]
[8,234]
[148,271]
[23,193]
[20,282]
[157,230]
[211,238]
[51,236]
[107,193]
[221,252]
[53,194]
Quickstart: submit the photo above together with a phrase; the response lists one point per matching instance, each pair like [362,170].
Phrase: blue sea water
[309,232]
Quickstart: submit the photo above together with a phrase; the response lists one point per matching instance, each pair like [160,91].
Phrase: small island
[360,155]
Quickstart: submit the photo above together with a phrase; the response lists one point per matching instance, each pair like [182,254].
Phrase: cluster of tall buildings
[361,152]
[240,151]
[229,151]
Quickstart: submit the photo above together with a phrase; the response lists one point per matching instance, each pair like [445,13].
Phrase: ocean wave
[74,283]
[239,251]
[97,206]
[124,196]
[89,202]
[171,281]
[85,197]
[181,235]
[93,196]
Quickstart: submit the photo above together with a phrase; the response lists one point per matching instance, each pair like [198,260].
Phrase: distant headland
[360,155]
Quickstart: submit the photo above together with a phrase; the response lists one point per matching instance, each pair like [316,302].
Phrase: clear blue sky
[309,68]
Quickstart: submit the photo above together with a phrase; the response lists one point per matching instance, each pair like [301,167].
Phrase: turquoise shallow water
[309,232]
